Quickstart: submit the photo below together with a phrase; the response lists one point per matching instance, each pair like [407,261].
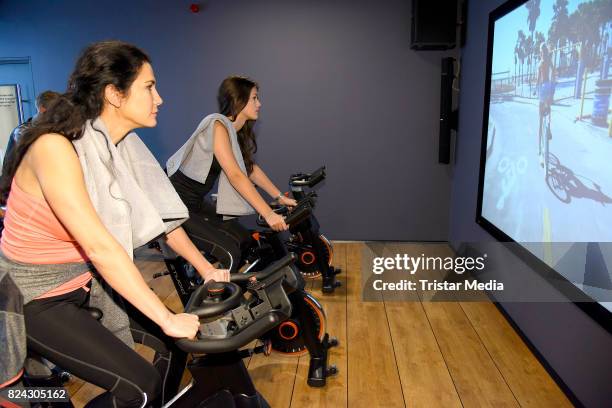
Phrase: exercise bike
[313,250]
[232,314]
[304,330]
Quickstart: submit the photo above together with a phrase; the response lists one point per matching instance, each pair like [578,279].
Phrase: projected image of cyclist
[551,82]
[546,87]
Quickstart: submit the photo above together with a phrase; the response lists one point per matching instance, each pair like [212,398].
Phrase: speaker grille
[434,24]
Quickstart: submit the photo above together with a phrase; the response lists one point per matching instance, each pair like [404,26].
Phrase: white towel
[127,187]
[195,157]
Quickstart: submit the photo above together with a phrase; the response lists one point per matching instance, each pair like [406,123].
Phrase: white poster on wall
[9,115]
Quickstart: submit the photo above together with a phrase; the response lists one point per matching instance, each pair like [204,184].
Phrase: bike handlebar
[242,278]
[299,214]
[255,330]
[306,179]
[198,305]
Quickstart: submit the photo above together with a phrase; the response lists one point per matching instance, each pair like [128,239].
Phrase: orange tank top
[33,234]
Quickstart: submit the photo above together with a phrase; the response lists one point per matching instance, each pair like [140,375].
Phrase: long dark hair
[233,96]
[100,64]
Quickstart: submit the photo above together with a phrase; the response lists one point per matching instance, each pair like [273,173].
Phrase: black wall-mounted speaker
[447,116]
[434,24]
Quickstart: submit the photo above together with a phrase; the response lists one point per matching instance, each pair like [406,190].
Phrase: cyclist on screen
[546,91]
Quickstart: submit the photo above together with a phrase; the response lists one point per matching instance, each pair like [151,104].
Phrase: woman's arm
[54,164]
[262,180]
[179,241]
[223,152]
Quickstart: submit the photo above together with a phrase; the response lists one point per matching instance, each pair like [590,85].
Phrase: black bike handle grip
[241,278]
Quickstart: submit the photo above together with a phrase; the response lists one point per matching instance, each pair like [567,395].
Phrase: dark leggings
[224,240]
[63,331]
[169,360]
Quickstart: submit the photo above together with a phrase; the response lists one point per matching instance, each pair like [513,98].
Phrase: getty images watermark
[481,271]
[422,264]
[425,272]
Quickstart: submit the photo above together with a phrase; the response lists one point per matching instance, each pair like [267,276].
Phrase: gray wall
[339,85]
[574,345]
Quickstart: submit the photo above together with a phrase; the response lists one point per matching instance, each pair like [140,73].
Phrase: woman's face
[140,104]
[251,109]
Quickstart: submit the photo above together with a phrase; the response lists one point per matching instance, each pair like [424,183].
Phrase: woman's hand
[276,222]
[286,201]
[181,325]
[218,275]
[182,245]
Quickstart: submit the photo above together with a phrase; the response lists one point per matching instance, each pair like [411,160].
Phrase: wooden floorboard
[528,380]
[423,373]
[426,381]
[373,378]
[477,379]
[392,353]
[274,376]
[85,394]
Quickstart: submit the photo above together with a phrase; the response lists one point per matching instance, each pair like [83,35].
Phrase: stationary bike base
[307,336]
[219,381]
[329,280]
[319,370]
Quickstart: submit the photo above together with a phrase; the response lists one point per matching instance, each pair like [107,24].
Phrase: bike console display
[306,179]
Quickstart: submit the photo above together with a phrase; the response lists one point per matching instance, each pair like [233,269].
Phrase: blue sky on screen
[507,27]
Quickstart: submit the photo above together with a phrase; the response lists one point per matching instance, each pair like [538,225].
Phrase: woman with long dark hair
[82,191]
[222,149]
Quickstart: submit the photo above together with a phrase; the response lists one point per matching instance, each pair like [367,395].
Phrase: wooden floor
[394,354]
